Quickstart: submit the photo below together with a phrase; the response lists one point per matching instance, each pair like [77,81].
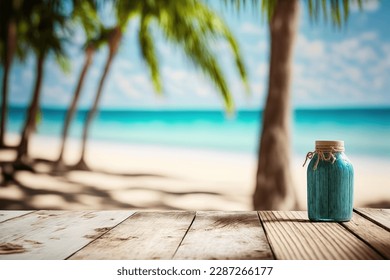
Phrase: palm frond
[125,10]
[148,52]
[337,9]
[215,26]
[195,28]
[85,13]
[46,21]
[190,28]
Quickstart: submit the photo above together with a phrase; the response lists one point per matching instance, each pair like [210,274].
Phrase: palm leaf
[328,7]
[148,52]
[191,26]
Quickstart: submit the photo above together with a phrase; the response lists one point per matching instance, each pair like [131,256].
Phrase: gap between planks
[6,215]
[225,235]
[266,236]
[380,217]
[375,236]
[146,235]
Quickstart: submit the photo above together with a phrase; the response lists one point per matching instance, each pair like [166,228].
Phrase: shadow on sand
[81,195]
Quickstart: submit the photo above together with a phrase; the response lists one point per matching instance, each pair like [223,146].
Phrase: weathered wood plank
[54,234]
[380,216]
[376,236]
[10,214]
[225,235]
[146,235]
[293,236]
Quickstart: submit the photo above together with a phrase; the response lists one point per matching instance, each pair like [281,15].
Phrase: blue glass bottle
[329,183]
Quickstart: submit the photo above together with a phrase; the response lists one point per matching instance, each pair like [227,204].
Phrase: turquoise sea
[365,131]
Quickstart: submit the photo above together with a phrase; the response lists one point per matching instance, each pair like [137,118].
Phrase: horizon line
[154,109]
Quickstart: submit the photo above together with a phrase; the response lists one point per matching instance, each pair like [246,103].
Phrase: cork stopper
[327,145]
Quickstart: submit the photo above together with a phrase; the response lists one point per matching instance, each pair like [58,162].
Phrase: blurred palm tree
[189,24]
[12,26]
[274,184]
[45,22]
[84,13]
[8,16]
[112,37]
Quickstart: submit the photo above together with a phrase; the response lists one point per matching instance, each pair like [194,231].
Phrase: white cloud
[54,72]
[354,74]
[175,74]
[261,70]
[298,70]
[259,48]
[353,49]
[371,5]
[179,82]
[55,95]
[367,5]
[199,85]
[382,67]
[165,49]
[311,49]
[365,54]
[94,73]
[128,88]
[173,80]
[378,83]
[315,49]
[345,47]
[79,37]
[344,92]
[333,72]
[386,49]
[307,84]
[124,65]
[221,46]
[257,89]
[369,36]
[251,29]
[27,75]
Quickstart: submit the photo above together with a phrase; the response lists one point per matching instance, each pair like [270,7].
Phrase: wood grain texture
[293,236]
[146,235]
[10,214]
[54,234]
[225,235]
[379,216]
[376,236]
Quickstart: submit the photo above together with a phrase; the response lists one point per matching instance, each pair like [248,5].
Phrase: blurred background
[161,103]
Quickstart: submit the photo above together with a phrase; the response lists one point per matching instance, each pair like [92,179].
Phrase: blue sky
[332,68]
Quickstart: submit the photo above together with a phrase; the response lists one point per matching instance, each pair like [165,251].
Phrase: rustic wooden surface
[370,233]
[147,235]
[292,236]
[54,234]
[378,216]
[227,235]
[7,215]
[191,235]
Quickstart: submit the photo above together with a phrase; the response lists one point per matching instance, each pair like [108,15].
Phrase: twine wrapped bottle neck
[324,152]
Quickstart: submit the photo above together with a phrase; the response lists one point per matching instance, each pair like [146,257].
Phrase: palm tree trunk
[8,53]
[113,44]
[81,165]
[72,108]
[4,104]
[29,125]
[274,186]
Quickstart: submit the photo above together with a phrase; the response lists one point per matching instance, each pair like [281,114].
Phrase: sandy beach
[128,176]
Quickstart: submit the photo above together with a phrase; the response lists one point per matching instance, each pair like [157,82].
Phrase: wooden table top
[203,235]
